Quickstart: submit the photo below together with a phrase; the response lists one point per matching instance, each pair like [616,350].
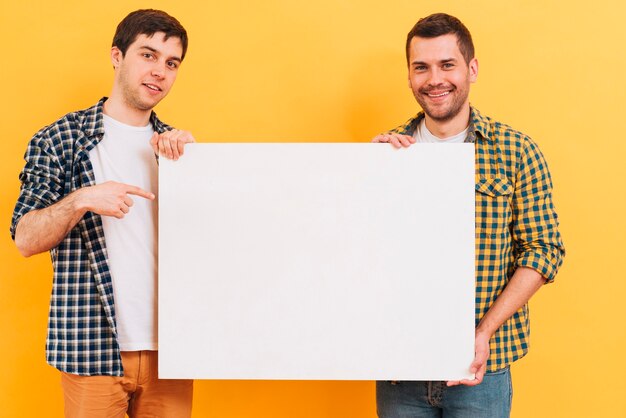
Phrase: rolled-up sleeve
[41,179]
[535,229]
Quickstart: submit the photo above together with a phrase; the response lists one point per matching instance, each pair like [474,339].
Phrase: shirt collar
[94,125]
[93,128]
[478,130]
[479,124]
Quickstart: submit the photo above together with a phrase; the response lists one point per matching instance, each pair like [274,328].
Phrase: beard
[132,94]
[445,111]
[134,100]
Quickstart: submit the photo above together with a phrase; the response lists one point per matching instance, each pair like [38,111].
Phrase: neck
[121,111]
[447,128]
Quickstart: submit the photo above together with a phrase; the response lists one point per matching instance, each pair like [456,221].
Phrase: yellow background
[334,70]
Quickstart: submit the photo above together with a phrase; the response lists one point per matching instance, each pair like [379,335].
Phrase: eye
[147,55]
[420,68]
[172,64]
[448,65]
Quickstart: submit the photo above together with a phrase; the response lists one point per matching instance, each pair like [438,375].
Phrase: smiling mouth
[152,87]
[434,95]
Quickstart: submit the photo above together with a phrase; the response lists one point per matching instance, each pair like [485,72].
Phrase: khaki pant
[140,393]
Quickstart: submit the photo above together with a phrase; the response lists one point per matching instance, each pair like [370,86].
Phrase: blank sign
[317,261]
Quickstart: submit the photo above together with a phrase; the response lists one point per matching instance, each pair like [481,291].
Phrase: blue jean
[491,399]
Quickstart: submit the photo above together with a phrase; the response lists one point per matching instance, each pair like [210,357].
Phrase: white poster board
[317,261]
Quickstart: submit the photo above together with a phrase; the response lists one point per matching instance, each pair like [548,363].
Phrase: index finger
[139,192]
[188,137]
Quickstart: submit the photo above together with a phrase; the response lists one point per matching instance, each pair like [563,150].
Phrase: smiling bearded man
[442,94]
[518,245]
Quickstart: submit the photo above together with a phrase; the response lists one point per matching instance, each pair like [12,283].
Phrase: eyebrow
[149,48]
[443,61]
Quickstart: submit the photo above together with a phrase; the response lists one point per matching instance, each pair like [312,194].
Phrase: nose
[158,70]
[435,77]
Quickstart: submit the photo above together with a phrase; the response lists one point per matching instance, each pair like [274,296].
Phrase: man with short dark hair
[88,195]
[518,245]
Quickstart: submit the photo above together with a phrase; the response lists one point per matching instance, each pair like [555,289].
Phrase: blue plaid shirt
[82,336]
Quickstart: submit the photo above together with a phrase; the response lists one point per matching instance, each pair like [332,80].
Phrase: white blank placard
[317,261]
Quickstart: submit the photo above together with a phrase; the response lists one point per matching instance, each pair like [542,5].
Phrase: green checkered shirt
[516,224]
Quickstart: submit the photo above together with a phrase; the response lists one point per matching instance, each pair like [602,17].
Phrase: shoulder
[158,125]
[513,150]
[58,140]
[68,128]
[511,141]
[409,127]
[70,124]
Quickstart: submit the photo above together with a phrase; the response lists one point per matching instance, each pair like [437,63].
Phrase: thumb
[479,361]
[154,140]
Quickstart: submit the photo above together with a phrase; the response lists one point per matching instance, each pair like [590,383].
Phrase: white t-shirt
[423,135]
[124,155]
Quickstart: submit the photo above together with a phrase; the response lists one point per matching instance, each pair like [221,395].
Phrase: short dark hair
[440,24]
[148,22]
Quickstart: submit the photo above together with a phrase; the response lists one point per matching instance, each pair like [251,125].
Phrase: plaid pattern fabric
[81,324]
[516,224]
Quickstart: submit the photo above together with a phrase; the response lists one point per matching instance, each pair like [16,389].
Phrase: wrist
[482,333]
[79,202]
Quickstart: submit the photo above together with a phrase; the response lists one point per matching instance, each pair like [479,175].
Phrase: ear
[116,56]
[473,70]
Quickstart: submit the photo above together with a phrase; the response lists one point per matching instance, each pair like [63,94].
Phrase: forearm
[43,229]
[524,283]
